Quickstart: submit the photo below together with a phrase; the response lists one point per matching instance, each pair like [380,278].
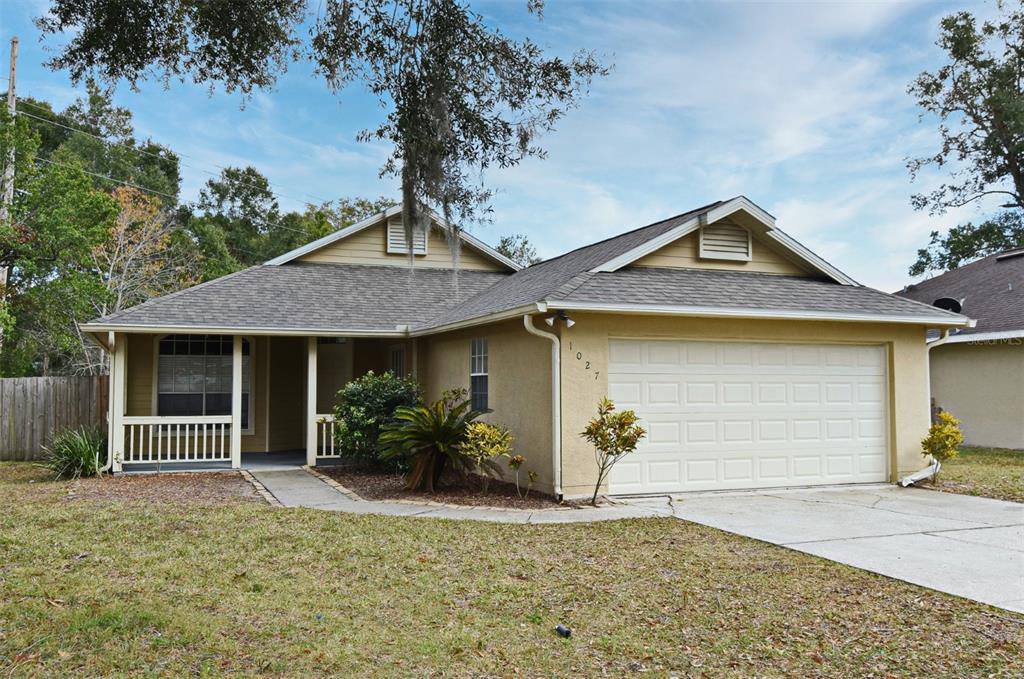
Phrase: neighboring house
[978,373]
[751,361]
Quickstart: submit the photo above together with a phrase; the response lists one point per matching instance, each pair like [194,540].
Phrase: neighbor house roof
[291,296]
[989,290]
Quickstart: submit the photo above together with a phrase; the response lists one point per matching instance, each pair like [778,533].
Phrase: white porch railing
[156,440]
[325,436]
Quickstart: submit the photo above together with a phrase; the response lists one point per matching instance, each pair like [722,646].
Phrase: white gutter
[302,332]
[556,401]
[978,337]
[740,312]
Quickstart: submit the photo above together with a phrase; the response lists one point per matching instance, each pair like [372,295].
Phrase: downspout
[556,401]
[932,469]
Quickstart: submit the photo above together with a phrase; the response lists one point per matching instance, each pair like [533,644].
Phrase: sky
[801,107]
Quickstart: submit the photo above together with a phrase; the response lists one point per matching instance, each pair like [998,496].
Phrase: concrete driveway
[967,546]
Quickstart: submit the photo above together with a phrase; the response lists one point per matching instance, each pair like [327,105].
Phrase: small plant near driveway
[77,452]
[366,405]
[429,438]
[943,439]
[613,435]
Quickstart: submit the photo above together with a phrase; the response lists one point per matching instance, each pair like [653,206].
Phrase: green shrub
[77,452]
[365,406]
[944,438]
[428,438]
[613,436]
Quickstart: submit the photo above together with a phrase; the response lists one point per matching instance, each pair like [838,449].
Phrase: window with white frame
[478,373]
[398,360]
[194,376]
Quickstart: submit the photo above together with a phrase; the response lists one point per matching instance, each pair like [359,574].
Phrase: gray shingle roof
[347,297]
[741,290]
[325,297]
[992,290]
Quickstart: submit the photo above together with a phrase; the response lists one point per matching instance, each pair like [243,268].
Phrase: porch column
[236,403]
[311,402]
[116,409]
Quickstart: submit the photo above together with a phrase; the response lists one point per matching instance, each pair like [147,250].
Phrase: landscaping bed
[986,472]
[372,485]
[178,487]
[176,589]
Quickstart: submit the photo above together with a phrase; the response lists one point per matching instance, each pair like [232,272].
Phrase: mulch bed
[203,488]
[371,485]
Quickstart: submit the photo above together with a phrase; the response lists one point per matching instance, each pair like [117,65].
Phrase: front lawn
[989,472]
[94,586]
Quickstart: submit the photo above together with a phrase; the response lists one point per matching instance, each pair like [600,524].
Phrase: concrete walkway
[968,546]
[300,488]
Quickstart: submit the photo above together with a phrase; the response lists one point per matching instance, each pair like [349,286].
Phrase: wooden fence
[33,409]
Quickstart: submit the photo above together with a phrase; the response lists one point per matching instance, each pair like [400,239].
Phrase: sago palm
[429,438]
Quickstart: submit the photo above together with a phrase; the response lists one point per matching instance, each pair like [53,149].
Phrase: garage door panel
[748,415]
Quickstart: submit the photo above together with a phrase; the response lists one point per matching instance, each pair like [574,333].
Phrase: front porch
[182,402]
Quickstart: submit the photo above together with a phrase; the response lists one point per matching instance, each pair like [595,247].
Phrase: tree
[977,97]
[101,136]
[58,217]
[967,242]
[518,248]
[461,96]
[143,256]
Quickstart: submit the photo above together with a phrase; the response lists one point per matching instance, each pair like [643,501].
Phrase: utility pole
[8,178]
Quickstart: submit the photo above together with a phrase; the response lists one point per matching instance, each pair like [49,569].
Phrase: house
[752,361]
[978,373]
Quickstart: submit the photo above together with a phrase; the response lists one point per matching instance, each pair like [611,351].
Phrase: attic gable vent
[396,238]
[725,241]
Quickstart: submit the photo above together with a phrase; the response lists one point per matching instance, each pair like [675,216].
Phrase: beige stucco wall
[683,253]
[583,386]
[519,384]
[983,386]
[369,246]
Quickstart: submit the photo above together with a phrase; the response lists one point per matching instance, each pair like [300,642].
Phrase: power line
[161,193]
[158,156]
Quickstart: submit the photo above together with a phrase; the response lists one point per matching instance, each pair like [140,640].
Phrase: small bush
[77,452]
[613,436]
[429,438]
[486,441]
[365,407]
[944,438]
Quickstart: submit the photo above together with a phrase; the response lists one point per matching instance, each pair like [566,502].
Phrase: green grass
[129,588]
[988,472]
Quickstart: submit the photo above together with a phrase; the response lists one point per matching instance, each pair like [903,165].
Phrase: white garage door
[726,415]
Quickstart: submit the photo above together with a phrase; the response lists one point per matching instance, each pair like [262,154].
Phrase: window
[478,374]
[397,242]
[194,376]
[398,361]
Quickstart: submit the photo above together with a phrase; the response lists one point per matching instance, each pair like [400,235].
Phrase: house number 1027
[586,364]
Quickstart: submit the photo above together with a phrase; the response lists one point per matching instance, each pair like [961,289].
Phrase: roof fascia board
[814,260]
[334,237]
[980,337]
[646,248]
[731,312]
[209,330]
[377,218]
[478,320]
[720,212]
